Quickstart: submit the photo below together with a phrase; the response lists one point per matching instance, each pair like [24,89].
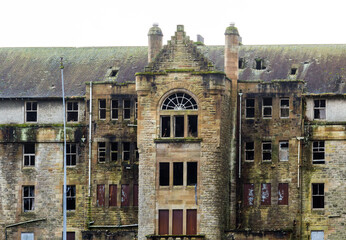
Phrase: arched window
[179,116]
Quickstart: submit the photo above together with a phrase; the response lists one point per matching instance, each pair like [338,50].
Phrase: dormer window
[179,116]
[259,64]
[113,73]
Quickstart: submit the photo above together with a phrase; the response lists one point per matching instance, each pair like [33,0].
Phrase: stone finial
[180,28]
[231,30]
[155,30]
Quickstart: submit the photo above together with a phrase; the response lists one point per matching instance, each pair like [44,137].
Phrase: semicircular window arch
[179,101]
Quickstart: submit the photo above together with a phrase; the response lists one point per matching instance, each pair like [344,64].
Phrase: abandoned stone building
[175,141]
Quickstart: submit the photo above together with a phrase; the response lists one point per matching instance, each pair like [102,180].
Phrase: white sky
[77,23]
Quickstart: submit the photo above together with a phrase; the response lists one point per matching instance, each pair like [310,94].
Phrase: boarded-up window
[178,173]
[70,236]
[283,194]
[177,222]
[135,194]
[113,195]
[125,195]
[191,221]
[265,194]
[163,222]
[249,194]
[283,151]
[164,174]
[100,195]
[317,235]
[27,236]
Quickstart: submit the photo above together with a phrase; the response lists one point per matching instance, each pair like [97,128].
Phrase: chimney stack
[154,41]
[231,53]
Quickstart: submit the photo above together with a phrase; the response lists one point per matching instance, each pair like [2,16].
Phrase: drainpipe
[298,182]
[239,142]
[301,189]
[90,119]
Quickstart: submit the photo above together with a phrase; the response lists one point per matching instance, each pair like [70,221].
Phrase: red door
[163,222]
[177,222]
[191,222]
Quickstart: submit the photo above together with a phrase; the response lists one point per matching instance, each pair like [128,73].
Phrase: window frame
[113,152]
[31,111]
[115,109]
[317,195]
[319,109]
[123,152]
[288,150]
[248,108]
[284,107]
[31,199]
[102,110]
[249,150]
[30,155]
[267,151]
[101,149]
[126,109]
[71,197]
[71,154]
[71,111]
[267,107]
[318,150]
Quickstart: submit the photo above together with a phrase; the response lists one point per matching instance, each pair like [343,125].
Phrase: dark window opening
[101,151]
[72,111]
[293,71]
[178,126]
[114,151]
[241,63]
[191,173]
[250,108]
[28,198]
[115,109]
[318,152]
[178,173]
[164,174]
[113,195]
[127,109]
[31,111]
[70,197]
[29,154]
[165,126]
[102,109]
[136,152]
[100,202]
[193,126]
[319,109]
[71,154]
[260,64]
[126,151]
[266,151]
[265,194]
[318,195]
[267,107]
[249,151]
[113,73]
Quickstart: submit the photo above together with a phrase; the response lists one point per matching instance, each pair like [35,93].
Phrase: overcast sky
[78,23]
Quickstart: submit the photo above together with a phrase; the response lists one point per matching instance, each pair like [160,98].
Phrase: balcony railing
[175,237]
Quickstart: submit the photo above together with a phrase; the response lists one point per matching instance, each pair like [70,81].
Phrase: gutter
[22,223]
[239,136]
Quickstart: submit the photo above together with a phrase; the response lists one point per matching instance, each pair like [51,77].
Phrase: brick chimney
[154,41]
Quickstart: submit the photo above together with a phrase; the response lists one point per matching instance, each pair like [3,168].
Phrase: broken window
[241,63]
[178,173]
[28,198]
[283,151]
[177,226]
[260,64]
[267,107]
[318,195]
[318,152]
[29,154]
[31,111]
[164,174]
[114,151]
[113,195]
[100,202]
[317,235]
[293,71]
[283,194]
[126,151]
[249,194]
[115,109]
[249,151]
[71,154]
[135,195]
[72,111]
[266,151]
[70,197]
[125,195]
[265,194]
[179,122]
[102,109]
[250,108]
[284,107]
[191,173]
[127,109]
[27,236]
[163,222]
[320,109]
[101,152]
[191,221]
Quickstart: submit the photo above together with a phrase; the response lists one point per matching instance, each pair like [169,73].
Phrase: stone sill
[178,140]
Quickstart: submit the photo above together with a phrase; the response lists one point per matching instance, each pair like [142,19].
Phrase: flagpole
[64,114]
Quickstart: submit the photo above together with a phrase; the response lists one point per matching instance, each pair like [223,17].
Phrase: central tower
[183,138]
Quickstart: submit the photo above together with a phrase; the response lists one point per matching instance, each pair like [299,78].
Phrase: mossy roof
[35,72]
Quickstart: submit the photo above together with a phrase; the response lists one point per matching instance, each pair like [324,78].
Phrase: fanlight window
[179,101]
[181,122]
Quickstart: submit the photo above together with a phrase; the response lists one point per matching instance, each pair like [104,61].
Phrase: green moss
[111,82]
[208,72]
[150,73]
[199,43]
[324,95]
[179,70]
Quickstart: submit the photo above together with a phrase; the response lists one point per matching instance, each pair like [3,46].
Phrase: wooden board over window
[191,222]
[177,222]
[163,222]
[125,195]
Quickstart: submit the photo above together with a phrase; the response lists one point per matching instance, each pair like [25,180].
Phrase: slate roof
[35,72]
